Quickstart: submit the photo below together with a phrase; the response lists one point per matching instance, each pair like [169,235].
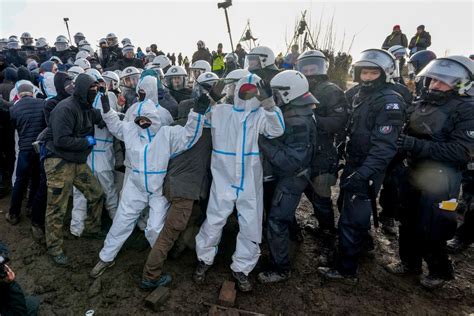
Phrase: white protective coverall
[150,85]
[101,160]
[237,176]
[148,164]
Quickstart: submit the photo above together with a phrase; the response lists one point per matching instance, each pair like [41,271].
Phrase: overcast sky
[177,25]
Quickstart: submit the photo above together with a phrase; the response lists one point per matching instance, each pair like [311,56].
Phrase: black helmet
[419,60]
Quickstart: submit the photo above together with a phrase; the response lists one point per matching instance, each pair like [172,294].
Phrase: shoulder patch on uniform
[392,106]
[470,134]
[339,109]
[387,129]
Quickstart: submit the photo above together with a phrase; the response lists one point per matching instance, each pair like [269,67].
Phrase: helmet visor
[447,71]
[253,62]
[312,66]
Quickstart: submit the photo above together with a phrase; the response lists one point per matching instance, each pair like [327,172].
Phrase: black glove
[355,183]
[216,91]
[202,103]
[101,89]
[101,124]
[104,99]
[264,90]
[406,142]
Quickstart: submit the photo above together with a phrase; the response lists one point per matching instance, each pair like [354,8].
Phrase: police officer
[439,139]
[114,51]
[27,46]
[373,129]
[331,115]
[290,156]
[12,56]
[63,51]
[416,63]
[390,193]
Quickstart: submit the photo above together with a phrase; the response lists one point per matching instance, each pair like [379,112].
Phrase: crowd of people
[178,151]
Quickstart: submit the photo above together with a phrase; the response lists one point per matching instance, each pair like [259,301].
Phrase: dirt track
[71,291]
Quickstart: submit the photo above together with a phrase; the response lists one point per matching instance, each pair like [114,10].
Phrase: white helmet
[312,63]
[111,78]
[83,42]
[56,60]
[376,58]
[201,65]
[236,75]
[95,74]
[126,41]
[455,71]
[161,61]
[87,48]
[26,39]
[83,63]
[207,78]
[75,71]
[231,57]
[13,44]
[4,43]
[129,71]
[260,57]
[41,42]
[111,39]
[61,43]
[82,54]
[176,71]
[129,77]
[291,86]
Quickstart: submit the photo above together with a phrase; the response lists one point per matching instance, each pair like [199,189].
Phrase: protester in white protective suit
[147,89]
[238,176]
[101,160]
[148,163]
[47,84]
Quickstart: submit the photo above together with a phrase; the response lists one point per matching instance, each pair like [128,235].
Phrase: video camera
[3,271]
[224,5]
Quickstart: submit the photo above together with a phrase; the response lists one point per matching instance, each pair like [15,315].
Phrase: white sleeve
[114,124]
[165,116]
[272,124]
[184,137]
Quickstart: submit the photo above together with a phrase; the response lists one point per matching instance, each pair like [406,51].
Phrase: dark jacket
[420,42]
[202,54]
[375,123]
[292,152]
[189,174]
[331,114]
[61,94]
[396,38]
[123,63]
[70,122]
[27,118]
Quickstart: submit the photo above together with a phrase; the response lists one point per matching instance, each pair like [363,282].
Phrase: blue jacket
[27,117]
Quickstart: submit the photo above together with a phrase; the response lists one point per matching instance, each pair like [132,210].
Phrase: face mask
[141,95]
[436,97]
[91,95]
[143,122]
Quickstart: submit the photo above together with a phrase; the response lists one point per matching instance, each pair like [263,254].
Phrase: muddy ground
[72,292]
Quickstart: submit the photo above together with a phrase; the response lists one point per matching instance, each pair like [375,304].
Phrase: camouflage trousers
[62,176]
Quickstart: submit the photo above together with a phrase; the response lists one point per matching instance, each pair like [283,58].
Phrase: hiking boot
[273,276]
[12,218]
[100,235]
[60,260]
[334,275]
[431,282]
[455,245]
[200,272]
[388,226]
[399,268]
[243,282]
[37,232]
[149,285]
[99,268]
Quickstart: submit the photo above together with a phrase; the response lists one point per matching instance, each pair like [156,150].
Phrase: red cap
[396,26]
